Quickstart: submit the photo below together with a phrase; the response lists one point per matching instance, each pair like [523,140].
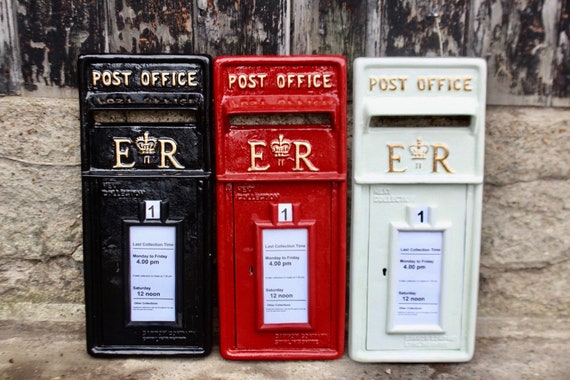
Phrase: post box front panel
[283,264]
[415,281]
[147,283]
[281,172]
[418,153]
[147,202]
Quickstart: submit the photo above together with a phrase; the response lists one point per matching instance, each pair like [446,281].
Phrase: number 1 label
[152,210]
[421,215]
[285,212]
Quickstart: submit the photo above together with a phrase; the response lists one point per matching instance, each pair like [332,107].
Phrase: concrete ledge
[47,341]
[28,313]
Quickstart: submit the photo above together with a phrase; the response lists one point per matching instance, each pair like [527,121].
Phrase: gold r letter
[440,159]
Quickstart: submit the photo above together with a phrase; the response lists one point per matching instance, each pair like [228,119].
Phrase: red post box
[281,190]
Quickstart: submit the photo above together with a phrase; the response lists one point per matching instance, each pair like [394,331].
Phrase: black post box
[147,203]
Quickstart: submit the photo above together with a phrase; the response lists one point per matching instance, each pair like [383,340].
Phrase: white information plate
[153,273]
[417,298]
[285,275]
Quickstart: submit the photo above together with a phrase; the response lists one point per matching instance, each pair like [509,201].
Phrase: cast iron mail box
[147,203]
[419,128]
[281,188]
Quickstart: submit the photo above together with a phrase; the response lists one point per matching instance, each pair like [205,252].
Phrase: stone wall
[525,258]
[525,241]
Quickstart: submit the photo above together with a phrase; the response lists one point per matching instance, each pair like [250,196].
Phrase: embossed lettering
[164,153]
[110,78]
[303,156]
[280,148]
[244,81]
[443,83]
[169,78]
[146,146]
[120,153]
[314,80]
[419,152]
[432,83]
[255,156]
[393,157]
[388,83]
[440,159]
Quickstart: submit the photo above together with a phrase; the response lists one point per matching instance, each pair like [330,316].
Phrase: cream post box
[418,149]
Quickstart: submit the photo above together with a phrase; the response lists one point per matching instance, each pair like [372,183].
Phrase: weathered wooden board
[149,27]
[329,27]
[526,43]
[218,27]
[10,73]
[561,85]
[417,28]
[54,32]
[519,39]
[51,35]
[230,27]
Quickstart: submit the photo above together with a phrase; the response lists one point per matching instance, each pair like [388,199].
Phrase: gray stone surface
[40,192]
[525,256]
[507,348]
[524,299]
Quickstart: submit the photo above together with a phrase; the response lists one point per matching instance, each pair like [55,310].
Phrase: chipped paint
[526,43]
[561,85]
[431,28]
[229,27]
[10,75]
[52,34]
[150,27]
[522,44]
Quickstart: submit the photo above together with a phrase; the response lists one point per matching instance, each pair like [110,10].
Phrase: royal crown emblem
[280,148]
[418,150]
[146,144]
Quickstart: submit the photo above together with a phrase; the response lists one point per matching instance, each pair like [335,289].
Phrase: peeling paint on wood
[424,28]
[519,40]
[233,27]
[150,27]
[329,27]
[526,43]
[561,85]
[418,28]
[10,75]
[52,34]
